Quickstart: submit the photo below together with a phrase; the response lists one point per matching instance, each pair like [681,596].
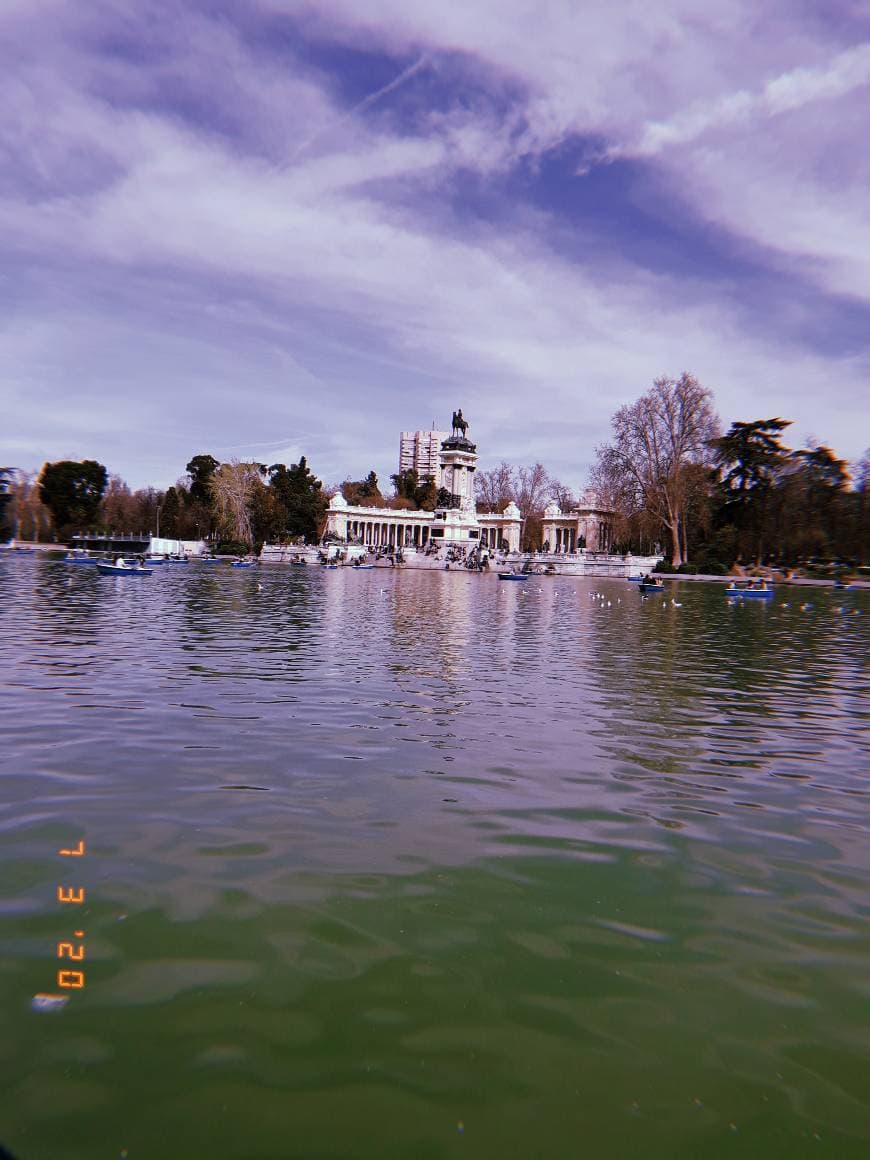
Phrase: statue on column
[460,425]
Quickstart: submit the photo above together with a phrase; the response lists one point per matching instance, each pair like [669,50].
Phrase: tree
[200,469]
[494,489]
[752,458]
[118,510]
[820,483]
[654,440]
[268,516]
[147,502]
[861,534]
[72,492]
[561,494]
[171,514]
[26,515]
[7,478]
[532,484]
[420,493]
[364,492]
[302,497]
[232,488]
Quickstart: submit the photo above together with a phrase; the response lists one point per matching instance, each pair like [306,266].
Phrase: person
[120,562]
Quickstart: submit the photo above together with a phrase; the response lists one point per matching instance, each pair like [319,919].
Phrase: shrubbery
[231,548]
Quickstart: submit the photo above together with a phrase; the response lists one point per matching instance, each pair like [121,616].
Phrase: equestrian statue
[460,426]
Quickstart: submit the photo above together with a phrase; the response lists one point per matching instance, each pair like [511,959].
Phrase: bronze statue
[459,424]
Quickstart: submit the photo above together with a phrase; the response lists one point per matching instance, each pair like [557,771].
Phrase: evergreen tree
[752,458]
[200,469]
[301,495]
[365,492]
[72,492]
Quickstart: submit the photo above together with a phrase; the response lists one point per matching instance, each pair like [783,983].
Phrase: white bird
[259,587]
[675,604]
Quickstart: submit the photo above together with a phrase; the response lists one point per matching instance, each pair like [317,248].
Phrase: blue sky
[280,228]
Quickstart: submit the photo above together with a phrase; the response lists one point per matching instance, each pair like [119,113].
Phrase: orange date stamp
[69,951]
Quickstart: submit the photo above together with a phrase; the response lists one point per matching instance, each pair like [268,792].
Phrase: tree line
[669,475]
[239,505]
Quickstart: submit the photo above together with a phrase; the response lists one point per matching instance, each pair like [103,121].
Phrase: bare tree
[561,494]
[118,509]
[494,489]
[655,440]
[232,488]
[28,515]
[532,487]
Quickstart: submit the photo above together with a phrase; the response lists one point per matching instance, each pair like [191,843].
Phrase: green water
[425,865]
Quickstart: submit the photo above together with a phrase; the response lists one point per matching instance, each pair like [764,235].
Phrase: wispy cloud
[366,103]
[847,71]
[174,258]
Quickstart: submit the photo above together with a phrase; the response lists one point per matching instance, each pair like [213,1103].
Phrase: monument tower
[456,514]
[458,463]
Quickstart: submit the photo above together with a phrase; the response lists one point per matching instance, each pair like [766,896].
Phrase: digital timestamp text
[72,949]
[68,977]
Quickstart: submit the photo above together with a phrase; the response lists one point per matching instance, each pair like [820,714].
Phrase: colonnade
[490,537]
[597,537]
[380,534]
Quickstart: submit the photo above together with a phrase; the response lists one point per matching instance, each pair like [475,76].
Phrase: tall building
[420,450]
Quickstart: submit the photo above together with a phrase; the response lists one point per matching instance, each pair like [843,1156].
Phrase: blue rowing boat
[122,570]
[513,575]
[243,563]
[75,557]
[733,592]
[646,587]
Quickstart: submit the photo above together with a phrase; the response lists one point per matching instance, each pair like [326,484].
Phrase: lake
[420,864]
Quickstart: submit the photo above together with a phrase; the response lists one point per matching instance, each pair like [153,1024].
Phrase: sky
[271,228]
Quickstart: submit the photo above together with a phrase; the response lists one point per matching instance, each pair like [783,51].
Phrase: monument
[455,523]
[578,542]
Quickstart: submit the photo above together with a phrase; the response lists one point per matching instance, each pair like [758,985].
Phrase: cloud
[791,90]
[203,237]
